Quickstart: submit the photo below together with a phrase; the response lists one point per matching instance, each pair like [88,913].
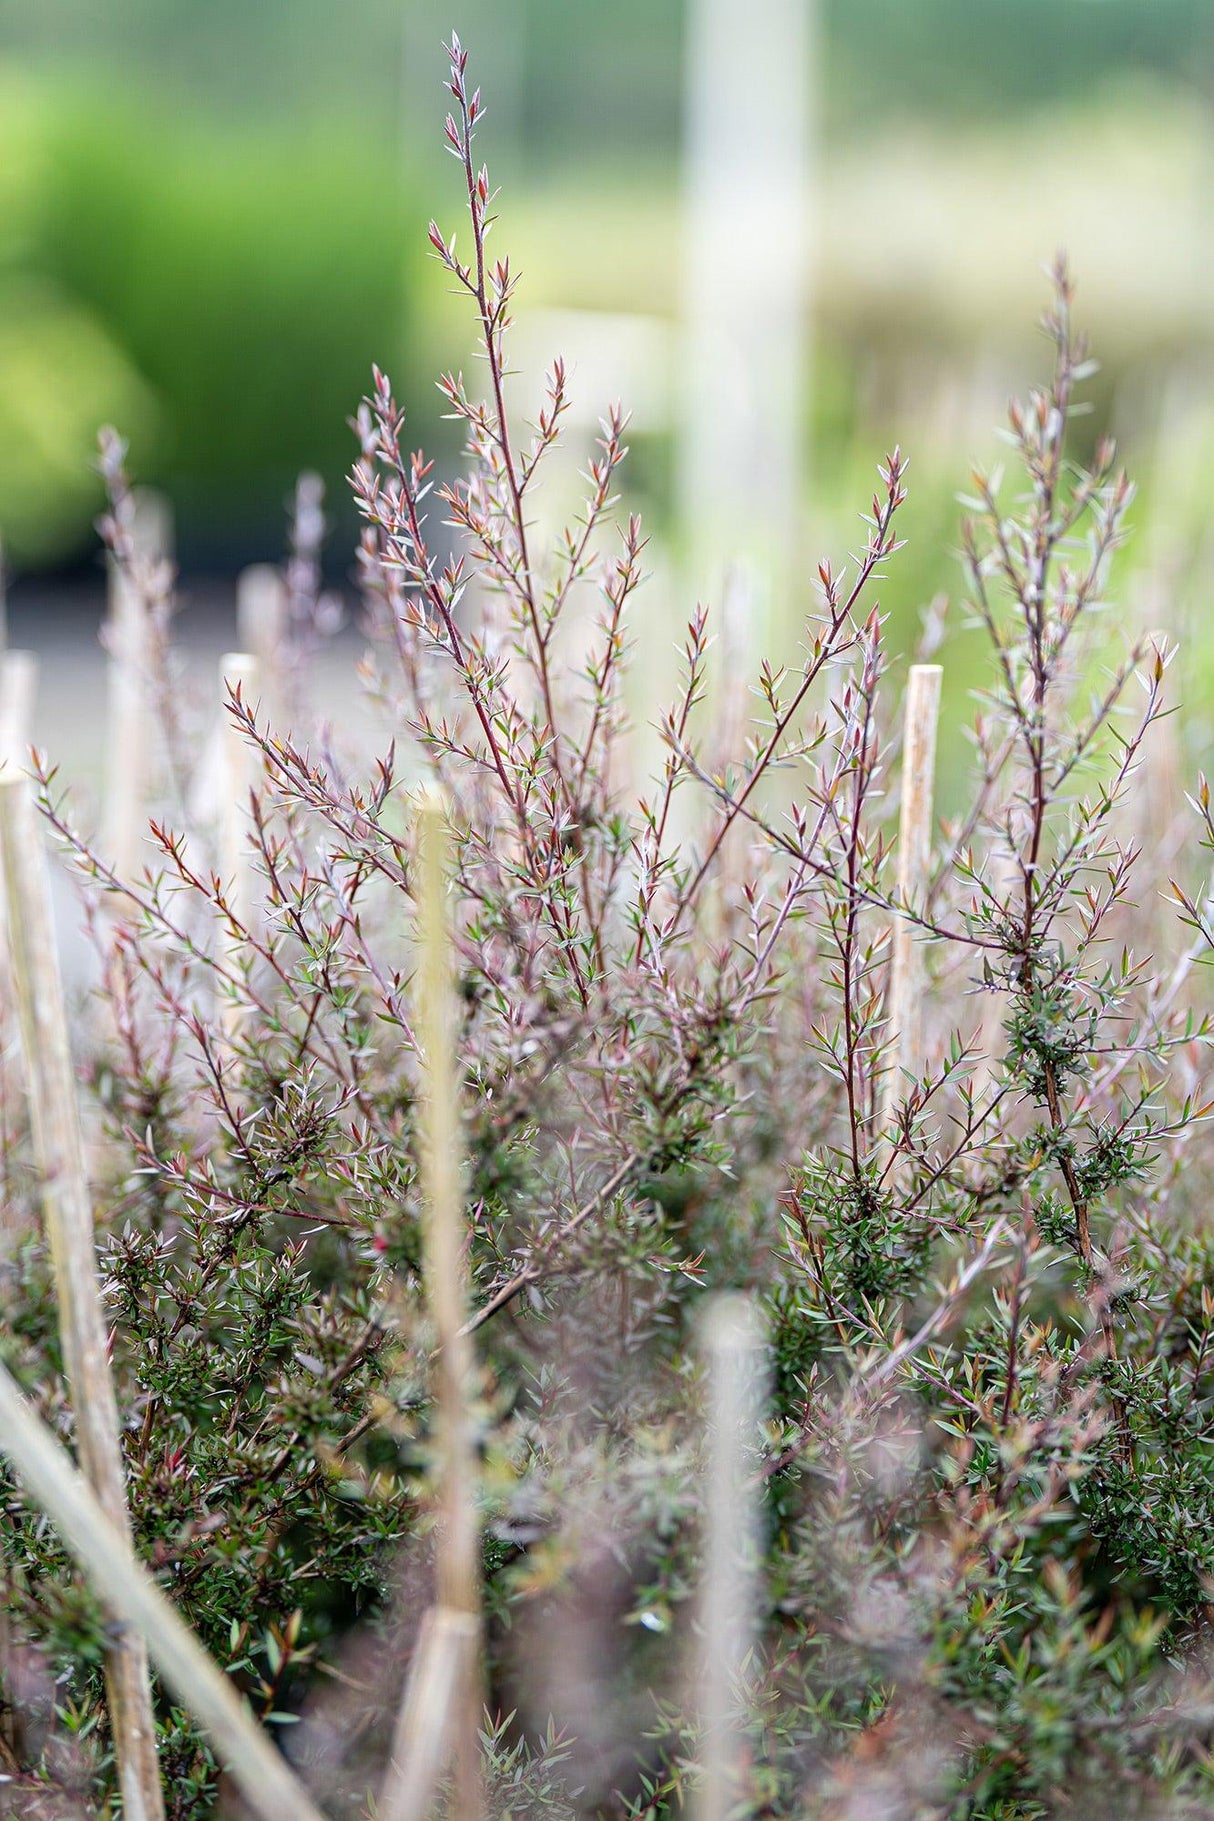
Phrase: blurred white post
[18,693]
[732,1342]
[238,670]
[129,743]
[748,189]
[18,689]
[261,626]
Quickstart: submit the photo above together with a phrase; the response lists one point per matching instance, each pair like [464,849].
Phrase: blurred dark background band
[210,219]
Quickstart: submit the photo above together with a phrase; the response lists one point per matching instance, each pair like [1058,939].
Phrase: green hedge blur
[219,294]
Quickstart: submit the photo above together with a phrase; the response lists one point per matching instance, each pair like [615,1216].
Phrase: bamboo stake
[732,1343]
[269,1787]
[129,728]
[442,1190]
[448,1654]
[906,976]
[18,691]
[445,1663]
[59,1149]
[749,180]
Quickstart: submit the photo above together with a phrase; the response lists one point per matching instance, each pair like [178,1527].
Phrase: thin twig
[239,680]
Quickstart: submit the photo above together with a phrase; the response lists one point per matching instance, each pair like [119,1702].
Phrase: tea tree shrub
[984,1472]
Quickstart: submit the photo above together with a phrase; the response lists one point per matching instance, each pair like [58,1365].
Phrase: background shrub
[230,290]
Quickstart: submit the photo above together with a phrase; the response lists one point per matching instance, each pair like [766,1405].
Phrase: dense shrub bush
[984,1465]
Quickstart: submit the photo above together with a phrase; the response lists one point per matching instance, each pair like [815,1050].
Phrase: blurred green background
[212,220]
